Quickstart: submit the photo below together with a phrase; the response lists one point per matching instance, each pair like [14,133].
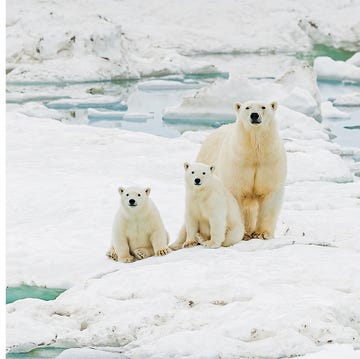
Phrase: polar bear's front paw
[190,243]
[261,235]
[163,251]
[127,259]
[112,254]
[140,253]
[210,244]
[247,237]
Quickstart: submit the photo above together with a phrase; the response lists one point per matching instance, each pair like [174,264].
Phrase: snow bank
[84,40]
[355,59]
[328,69]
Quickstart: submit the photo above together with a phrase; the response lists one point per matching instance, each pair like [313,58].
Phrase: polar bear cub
[138,230]
[212,215]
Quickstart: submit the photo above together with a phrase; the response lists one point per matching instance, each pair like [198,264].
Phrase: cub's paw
[163,251]
[247,237]
[210,244]
[190,243]
[112,254]
[259,235]
[127,259]
[140,253]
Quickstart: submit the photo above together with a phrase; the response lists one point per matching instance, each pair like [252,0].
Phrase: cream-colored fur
[212,216]
[138,230]
[251,161]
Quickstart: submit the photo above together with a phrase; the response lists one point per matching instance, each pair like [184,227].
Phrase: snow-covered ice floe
[331,70]
[329,111]
[284,297]
[111,102]
[296,89]
[348,100]
[166,85]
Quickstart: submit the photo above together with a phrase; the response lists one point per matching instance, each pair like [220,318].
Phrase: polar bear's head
[255,114]
[198,175]
[134,198]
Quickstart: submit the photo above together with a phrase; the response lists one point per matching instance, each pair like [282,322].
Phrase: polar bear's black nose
[197,180]
[255,117]
[131,202]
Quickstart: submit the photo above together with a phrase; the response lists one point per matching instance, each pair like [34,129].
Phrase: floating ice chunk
[329,111]
[355,59]
[97,101]
[165,85]
[89,353]
[94,114]
[18,97]
[351,100]
[328,69]
[137,116]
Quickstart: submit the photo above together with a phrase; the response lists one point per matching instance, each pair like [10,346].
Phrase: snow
[166,85]
[329,111]
[112,102]
[270,299]
[47,41]
[328,69]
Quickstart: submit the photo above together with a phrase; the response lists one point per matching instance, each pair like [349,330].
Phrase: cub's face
[134,198]
[198,175]
[255,114]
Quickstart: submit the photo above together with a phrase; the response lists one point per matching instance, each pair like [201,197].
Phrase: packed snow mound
[296,89]
[329,111]
[84,40]
[328,69]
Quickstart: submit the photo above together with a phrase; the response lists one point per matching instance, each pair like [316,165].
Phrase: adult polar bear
[250,159]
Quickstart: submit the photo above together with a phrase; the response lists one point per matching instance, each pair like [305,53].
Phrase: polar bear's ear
[237,106]
[121,190]
[274,105]
[212,168]
[186,165]
[147,191]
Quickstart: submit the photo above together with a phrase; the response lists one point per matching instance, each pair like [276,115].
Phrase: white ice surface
[85,40]
[355,59]
[328,69]
[269,299]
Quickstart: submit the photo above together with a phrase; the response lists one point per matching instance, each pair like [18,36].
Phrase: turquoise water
[36,354]
[27,291]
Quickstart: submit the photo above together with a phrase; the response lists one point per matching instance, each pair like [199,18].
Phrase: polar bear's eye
[139,195]
[247,108]
[263,107]
[204,173]
[127,194]
[192,172]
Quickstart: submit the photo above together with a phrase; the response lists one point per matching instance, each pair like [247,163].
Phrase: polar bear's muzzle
[132,203]
[255,118]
